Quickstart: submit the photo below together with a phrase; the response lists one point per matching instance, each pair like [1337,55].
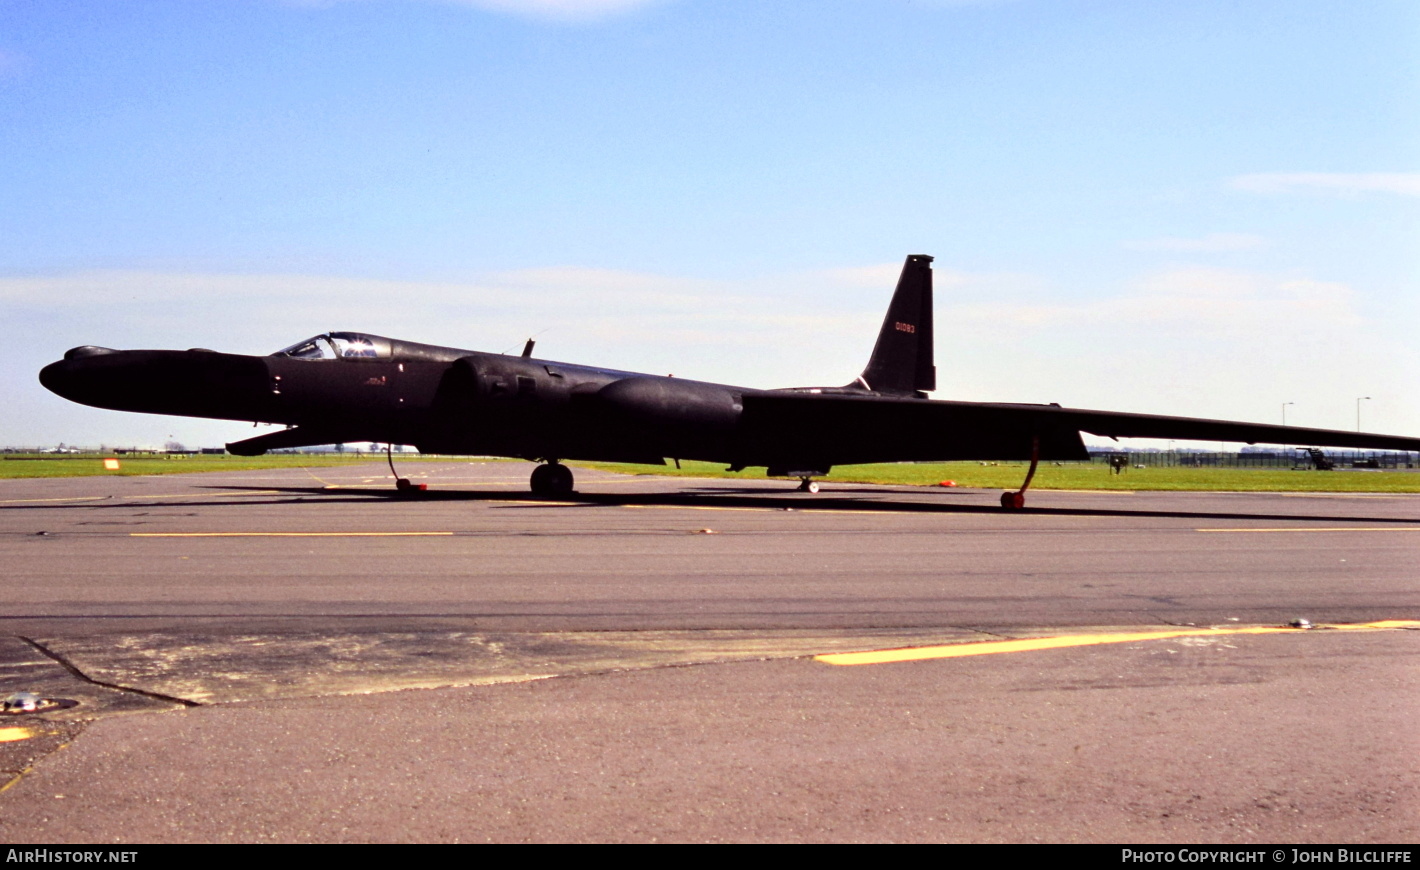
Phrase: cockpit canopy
[339,345]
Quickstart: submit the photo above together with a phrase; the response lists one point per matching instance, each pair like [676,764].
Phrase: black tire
[541,481]
[560,481]
[552,479]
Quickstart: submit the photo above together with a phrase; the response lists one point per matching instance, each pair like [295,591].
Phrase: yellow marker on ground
[110,465]
[959,650]
[10,735]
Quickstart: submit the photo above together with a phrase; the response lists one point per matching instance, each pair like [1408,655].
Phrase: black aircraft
[345,387]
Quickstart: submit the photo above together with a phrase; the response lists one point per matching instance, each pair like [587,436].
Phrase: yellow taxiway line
[1339,495]
[958,650]
[1323,529]
[137,497]
[766,509]
[199,495]
[77,498]
[289,534]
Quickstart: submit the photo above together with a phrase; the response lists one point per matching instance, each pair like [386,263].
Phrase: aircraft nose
[95,376]
[62,378]
[189,383]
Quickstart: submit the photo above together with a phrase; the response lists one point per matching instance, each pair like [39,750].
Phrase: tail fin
[902,358]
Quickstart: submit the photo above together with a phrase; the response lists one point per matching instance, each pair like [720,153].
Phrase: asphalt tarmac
[299,656]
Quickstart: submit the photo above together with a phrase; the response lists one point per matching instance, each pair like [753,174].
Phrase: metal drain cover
[29,702]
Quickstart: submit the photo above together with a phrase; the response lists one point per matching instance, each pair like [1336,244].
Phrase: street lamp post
[1358,411]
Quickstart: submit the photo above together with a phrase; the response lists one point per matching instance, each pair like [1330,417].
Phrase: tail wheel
[1014,501]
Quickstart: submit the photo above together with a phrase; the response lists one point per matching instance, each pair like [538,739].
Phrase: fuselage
[439,399]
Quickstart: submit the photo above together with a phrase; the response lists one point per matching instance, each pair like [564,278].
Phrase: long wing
[1119,425]
[801,427]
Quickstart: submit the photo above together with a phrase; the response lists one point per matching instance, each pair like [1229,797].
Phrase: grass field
[1008,475]
[970,474]
[85,465]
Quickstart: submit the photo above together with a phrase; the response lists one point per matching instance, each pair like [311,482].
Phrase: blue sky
[1203,208]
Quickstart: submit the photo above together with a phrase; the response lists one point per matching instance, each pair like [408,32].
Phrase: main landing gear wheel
[1013,501]
[807,485]
[552,479]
